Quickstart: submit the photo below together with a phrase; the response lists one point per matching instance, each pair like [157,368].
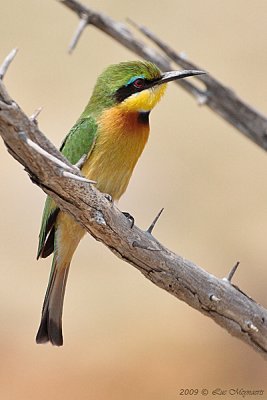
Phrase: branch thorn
[23,136]
[183,55]
[68,174]
[81,27]
[232,272]
[6,63]
[202,99]
[35,115]
[79,164]
[151,227]
[55,160]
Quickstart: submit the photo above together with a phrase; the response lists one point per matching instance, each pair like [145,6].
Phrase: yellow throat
[143,101]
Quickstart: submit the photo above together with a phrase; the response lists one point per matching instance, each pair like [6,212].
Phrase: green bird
[112,132]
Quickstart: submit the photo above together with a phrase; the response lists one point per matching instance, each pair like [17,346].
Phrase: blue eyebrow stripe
[133,78]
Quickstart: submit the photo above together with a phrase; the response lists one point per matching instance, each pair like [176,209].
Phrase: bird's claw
[129,217]
[108,197]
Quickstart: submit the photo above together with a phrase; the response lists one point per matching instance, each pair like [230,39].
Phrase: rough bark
[216,298]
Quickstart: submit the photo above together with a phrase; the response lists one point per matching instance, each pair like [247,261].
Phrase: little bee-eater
[112,132]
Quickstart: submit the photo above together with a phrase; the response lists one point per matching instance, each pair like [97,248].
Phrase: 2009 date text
[188,392]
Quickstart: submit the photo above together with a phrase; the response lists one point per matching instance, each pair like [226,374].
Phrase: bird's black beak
[174,75]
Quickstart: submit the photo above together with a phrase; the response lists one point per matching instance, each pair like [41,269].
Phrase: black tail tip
[49,331]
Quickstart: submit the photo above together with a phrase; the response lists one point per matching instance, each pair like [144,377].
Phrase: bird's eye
[139,83]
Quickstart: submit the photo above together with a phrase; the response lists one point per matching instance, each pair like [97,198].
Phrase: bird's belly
[111,175]
[112,180]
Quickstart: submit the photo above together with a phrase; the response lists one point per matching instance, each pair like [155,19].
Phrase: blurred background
[123,337]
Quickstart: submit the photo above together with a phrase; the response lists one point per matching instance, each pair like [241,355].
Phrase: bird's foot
[129,217]
[108,197]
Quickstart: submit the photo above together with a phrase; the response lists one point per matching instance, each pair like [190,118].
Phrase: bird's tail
[66,239]
[50,329]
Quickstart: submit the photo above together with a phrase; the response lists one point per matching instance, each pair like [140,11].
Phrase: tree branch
[220,99]
[216,298]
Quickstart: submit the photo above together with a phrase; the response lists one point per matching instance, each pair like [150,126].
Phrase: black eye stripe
[125,91]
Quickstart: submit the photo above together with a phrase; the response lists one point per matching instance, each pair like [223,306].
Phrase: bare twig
[220,99]
[225,304]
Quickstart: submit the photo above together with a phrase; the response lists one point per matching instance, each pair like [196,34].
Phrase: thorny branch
[220,99]
[216,298]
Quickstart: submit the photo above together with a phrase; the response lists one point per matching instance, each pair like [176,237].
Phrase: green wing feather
[79,141]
